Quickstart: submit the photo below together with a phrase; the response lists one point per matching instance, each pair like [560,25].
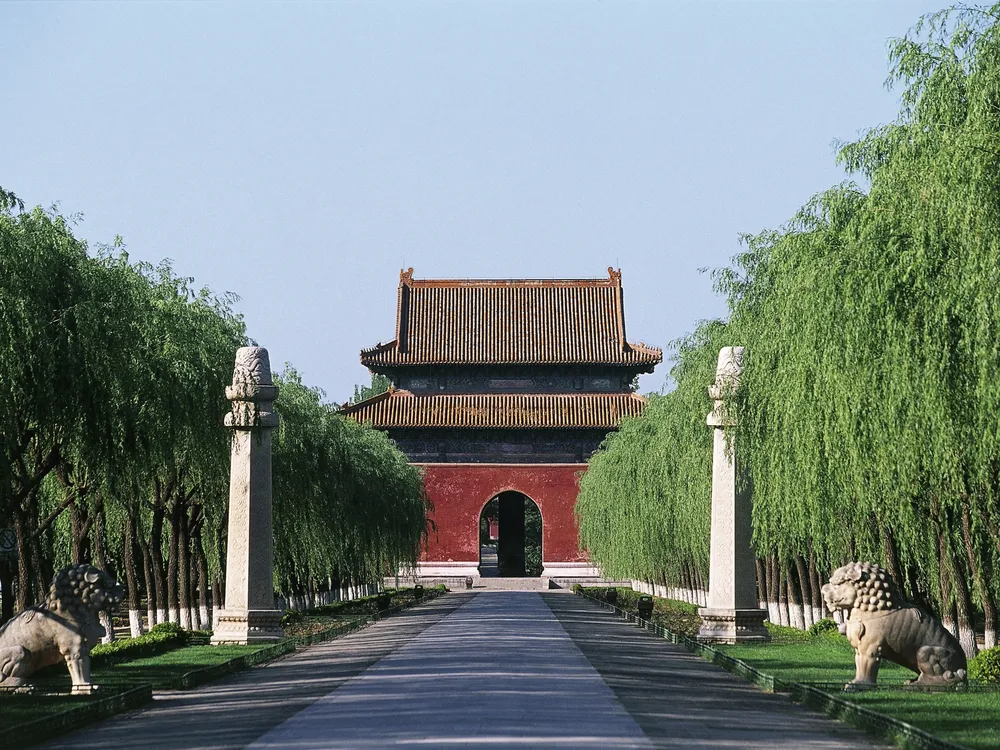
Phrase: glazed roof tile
[510,321]
[394,409]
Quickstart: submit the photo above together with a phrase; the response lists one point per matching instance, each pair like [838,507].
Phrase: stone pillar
[732,614]
[250,615]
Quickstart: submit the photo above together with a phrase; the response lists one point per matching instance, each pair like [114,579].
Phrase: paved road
[490,670]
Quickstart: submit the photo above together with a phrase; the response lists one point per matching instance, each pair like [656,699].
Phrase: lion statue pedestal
[63,628]
[883,625]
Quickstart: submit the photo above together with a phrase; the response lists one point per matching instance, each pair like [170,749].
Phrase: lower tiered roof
[397,408]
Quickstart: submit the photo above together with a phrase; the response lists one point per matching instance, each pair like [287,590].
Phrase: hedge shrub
[986,666]
[163,637]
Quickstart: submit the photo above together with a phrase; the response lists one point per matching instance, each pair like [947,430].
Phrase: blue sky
[300,154]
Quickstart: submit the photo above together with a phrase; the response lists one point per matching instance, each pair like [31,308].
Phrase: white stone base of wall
[570,570]
[461,569]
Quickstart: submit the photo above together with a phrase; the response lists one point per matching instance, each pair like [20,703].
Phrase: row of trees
[112,382]
[868,408]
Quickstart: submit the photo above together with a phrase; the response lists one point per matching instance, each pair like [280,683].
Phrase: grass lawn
[160,671]
[968,718]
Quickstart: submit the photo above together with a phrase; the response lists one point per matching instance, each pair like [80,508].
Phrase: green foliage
[347,503]
[112,394]
[867,408]
[986,666]
[9,201]
[644,505]
[379,384]
[871,324]
[824,626]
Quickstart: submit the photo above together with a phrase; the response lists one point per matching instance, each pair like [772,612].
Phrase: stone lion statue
[883,625]
[64,627]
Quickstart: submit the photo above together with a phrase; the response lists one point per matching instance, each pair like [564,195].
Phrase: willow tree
[349,508]
[868,406]
[62,349]
[645,501]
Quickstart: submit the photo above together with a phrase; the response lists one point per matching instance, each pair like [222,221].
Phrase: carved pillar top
[727,380]
[252,392]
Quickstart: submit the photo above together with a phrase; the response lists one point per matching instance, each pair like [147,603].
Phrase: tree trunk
[772,590]
[783,614]
[218,594]
[204,604]
[817,587]
[97,544]
[147,572]
[805,598]
[156,557]
[80,522]
[183,563]
[21,532]
[131,580]
[891,553]
[953,585]
[172,606]
[796,616]
[7,586]
[982,591]
[761,583]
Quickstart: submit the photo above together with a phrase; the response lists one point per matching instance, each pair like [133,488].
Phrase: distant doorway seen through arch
[510,537]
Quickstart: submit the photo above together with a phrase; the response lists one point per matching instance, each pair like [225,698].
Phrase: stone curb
[38,730]
[901,733]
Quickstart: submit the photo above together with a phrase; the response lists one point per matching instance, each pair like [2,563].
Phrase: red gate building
[500,387]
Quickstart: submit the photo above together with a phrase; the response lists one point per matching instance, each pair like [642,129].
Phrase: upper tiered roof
[510,322]
[394,409]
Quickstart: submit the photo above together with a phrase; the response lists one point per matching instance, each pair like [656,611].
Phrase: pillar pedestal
[249,615]
[732,614]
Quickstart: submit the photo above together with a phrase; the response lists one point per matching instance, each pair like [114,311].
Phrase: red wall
[459,492]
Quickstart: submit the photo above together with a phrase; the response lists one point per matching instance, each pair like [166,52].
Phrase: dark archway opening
[510,537]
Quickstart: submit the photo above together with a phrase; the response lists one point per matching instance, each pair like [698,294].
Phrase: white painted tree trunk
[161,616]
[150,618]
[783,618]
[990,638]
[185,618]
[807,616]
[205,616]
[173,615]
[967,637]
[796,617]
[135,623]
[109,629]
[772,612]
[818,614]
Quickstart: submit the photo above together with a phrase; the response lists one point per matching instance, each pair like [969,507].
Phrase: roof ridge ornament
[614,275]
[406,277]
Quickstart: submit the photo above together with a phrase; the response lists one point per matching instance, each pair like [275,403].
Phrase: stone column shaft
[250,614]
[732,614]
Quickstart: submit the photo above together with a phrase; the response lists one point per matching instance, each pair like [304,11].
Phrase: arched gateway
[504,386]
